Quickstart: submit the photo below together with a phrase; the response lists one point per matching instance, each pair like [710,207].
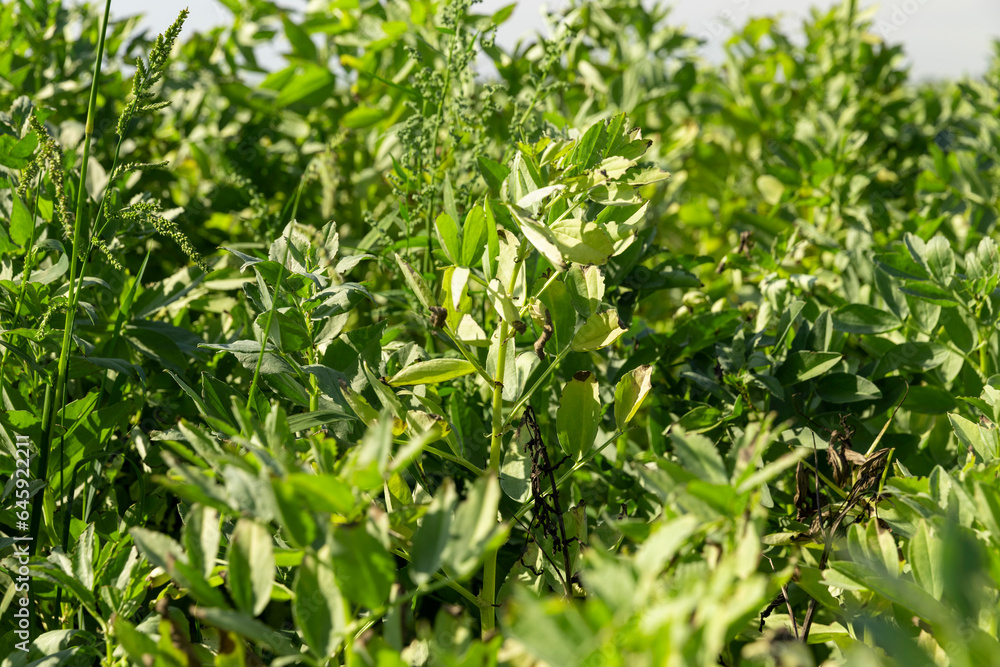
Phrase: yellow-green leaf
[432,372]
[600,330]
[630,393]
[579,415]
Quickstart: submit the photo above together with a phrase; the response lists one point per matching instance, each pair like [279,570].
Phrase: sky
[941,38]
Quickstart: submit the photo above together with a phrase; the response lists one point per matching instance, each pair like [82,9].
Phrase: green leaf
[299,39]
[589,149]
[202,537]
[473,236]
[558,302]
[218,398]
[493,173]
[924,554]
[928,400]
[492,255]
[541,237]
[16,153]
[247,352]
[315,81]
[432,536]
[897,590]
[361,117]
[20,222]
[293,515]
[135,643]
[600,330]
[432,372]
[323,493]
[159,549]
[194,584]
[83,557]
[53,572]
[501,15]
[982,441]
[581,241]
[416,283]
[368,570]
[579,415]
[501,302]
[586,288]
[805,365]
[929,292]
[474,527]
[318,607]
[940,260]
[448,232]
[753,477]
[251,566]
[788,317]
[700,419]
[630,393]
[307,420]
[245,626]
[846,388]
[771,189]
[858,318]
[699,456]
[515,471]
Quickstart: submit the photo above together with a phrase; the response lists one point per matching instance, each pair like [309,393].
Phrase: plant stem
[54,398]
[467,353]
[984,358]
[438,117]
[490,567]
[274,302]
[538,383]
[267,327]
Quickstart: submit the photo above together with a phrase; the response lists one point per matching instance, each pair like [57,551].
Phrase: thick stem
[496,442]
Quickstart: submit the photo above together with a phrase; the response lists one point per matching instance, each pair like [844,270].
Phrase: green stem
[496,442]
[438,117]
[538,383]
[984,357]
[538,295]
[267,327]
[467,353]
[54,398]
[274,302]
[473,468]
[450,583]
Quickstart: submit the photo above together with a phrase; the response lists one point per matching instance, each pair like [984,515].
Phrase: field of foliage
[416,350]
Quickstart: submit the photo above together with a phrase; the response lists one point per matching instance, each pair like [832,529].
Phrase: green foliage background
[597,355]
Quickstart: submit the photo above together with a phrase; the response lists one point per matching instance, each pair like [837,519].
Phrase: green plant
[424,364]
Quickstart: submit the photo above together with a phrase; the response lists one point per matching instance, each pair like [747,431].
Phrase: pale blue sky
[942,38]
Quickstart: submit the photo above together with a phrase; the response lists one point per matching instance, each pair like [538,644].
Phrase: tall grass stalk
[55,391]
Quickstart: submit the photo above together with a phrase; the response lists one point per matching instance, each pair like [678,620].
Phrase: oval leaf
[630,393]
[432,372]
[251,566]
[579,415]
[846,388]
[318,608]
[857,318]
[600,330]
